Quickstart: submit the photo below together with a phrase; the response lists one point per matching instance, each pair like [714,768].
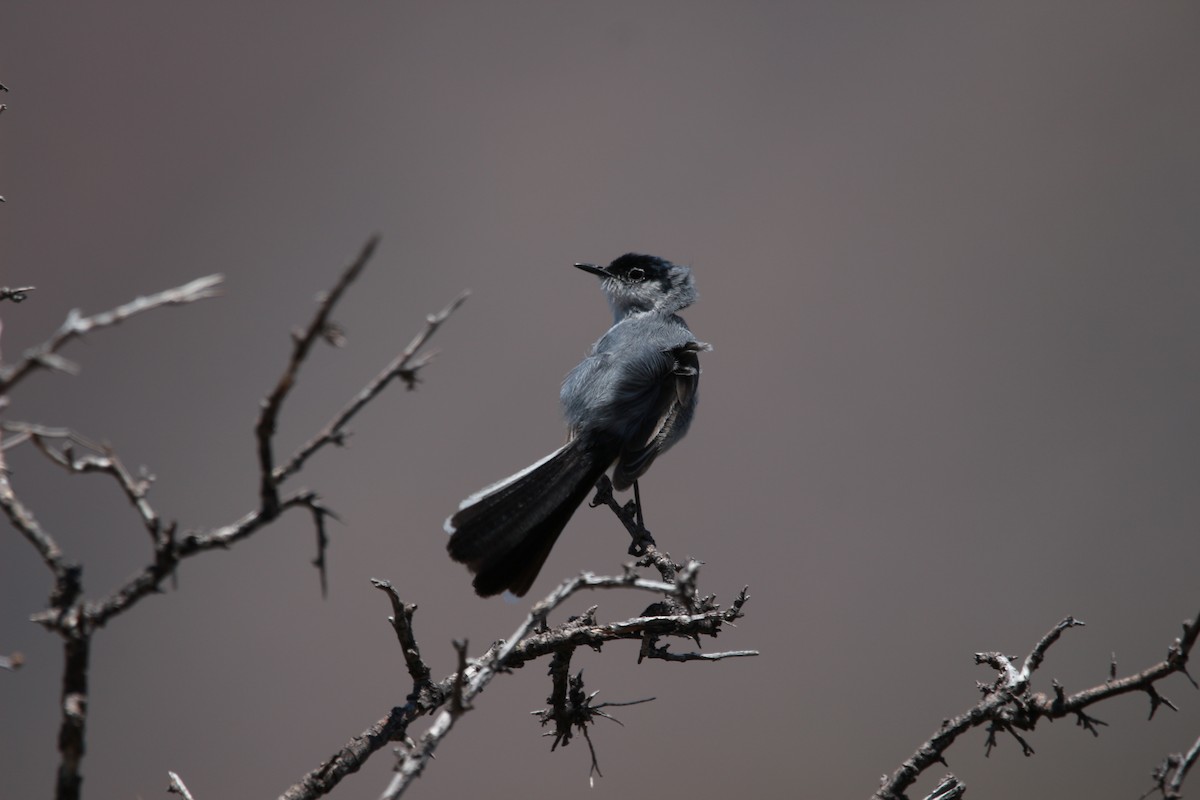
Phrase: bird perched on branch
[626,404]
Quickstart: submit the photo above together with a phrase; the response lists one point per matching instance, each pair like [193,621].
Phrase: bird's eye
[637,274]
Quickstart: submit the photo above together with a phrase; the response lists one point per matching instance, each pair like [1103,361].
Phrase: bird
[628,402]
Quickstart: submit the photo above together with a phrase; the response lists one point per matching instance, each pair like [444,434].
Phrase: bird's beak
[595,270]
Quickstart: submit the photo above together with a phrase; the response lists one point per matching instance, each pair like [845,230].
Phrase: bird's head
[637,282]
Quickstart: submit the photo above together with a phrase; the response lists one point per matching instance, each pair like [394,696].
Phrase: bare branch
[401,619]
[301,345]
[532,640]
[351,756]
[24,521]
[1009,705]
[45,355]
[74,620]
[168,552]
[1176,662]
[149,580]
[135,490]
[403,367]
[1038,653]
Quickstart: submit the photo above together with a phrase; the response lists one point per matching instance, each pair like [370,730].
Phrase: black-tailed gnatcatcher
[626,404]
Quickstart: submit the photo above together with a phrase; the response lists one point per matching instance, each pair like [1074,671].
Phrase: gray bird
[626,404]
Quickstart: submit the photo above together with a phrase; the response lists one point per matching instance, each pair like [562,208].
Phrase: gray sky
[946,256]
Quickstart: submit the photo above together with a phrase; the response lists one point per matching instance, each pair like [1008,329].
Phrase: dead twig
[45,355]
[1009,705]
[450,698]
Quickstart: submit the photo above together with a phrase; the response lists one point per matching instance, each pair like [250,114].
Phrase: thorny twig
[533,639]
[571,708]
[404,367]
[74,619]
[1010,705]
[302,343]
[102,460]
[45,355]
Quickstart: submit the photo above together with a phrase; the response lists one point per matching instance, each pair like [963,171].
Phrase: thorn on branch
[1157,700]
[990,743]
[1026,750]
[319,514]
[1000,725]
[1088,722]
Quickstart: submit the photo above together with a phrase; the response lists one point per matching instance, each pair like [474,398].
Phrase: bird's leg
[630,515]
[637,506]
[642,539]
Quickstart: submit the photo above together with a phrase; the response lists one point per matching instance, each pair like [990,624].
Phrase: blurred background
[947,259]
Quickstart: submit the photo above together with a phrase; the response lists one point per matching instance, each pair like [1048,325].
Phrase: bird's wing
[675,380]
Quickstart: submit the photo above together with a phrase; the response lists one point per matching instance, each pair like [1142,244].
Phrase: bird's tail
[504,533]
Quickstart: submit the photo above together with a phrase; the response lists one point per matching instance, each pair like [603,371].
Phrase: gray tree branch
[452,697]
[45,355]
[1010,705]
[74,619]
